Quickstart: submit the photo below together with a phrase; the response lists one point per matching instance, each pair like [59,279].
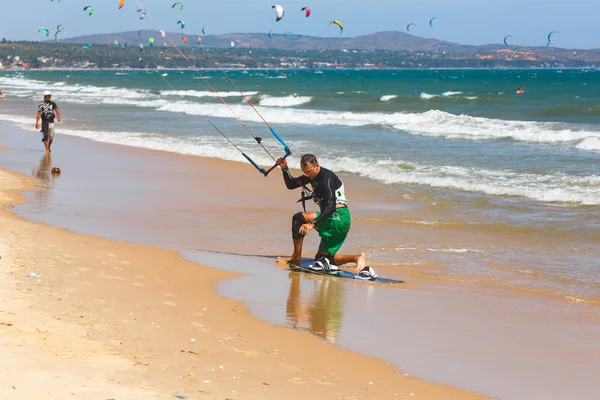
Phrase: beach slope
[114,320]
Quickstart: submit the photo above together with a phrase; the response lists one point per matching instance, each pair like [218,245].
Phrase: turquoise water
[461,142]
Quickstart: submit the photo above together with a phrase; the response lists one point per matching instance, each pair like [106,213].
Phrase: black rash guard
[328,191]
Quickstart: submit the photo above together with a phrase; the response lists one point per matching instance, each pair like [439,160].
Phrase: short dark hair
[308,159]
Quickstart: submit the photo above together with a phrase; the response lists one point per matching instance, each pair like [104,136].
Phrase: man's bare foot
[285,260]
[361,262]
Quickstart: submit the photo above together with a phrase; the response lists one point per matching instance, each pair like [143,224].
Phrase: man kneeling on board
[332,222]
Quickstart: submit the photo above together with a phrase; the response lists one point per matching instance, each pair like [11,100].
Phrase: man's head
[47,95]
[310,166]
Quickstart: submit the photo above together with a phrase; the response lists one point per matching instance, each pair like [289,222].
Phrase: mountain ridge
[384,40]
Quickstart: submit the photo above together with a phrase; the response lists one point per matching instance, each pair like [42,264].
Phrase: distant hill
[381,41]
[392,41]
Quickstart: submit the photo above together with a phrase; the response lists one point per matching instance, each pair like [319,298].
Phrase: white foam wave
[541,187]
[388,97]
[281,110]
[183,144]
[471,97]
[33,89]
[431,123]
[199,146]
[286,101]
[17,119]
[427,96]
[353,91]
[450,93]
[441,124]
[201,93]
[589,143]
[549,187]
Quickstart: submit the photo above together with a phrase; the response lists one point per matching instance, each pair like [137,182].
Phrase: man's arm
[37,120]
[290,181]
[294,183]
[58,114]
[328,200]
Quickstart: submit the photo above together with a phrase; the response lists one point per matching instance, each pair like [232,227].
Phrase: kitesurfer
[332,221]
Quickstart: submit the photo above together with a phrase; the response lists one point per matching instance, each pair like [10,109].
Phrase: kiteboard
[304,267]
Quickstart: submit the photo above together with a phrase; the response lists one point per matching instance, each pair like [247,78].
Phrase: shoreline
[96,314]
[200,169]
[366,185]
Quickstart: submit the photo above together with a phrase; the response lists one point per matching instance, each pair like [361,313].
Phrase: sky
[472,22]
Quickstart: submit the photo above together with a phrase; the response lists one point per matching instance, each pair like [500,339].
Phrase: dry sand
[114,320]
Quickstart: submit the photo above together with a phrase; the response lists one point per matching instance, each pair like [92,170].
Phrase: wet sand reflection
[45,175]
[315,304]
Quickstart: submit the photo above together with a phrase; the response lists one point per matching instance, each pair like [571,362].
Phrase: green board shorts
[334,230]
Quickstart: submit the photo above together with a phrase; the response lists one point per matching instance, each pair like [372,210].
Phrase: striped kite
[339,24]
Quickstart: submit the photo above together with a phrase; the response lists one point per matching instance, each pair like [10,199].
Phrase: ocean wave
[430,123]
[589,143]
[427,96]
[282,110]
[548,187]
[352,92]
[285,101]
[446,94]
[450,126]
[388,97]
[189,145]
[31,88]
[204,93]
[551,187]
[17,119]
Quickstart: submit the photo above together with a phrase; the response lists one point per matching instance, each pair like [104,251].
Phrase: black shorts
[47,130]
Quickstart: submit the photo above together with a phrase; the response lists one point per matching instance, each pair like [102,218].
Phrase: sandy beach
[109,319]
[167,323]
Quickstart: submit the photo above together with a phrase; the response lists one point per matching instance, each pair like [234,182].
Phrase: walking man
[47,111]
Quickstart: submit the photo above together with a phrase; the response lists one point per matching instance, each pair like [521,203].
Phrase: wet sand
[108,319]
[227,216]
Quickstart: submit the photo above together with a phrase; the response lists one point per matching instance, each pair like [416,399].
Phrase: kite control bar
[258,139]
[286,148]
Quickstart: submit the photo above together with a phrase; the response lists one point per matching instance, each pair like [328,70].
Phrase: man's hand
[37,125]
[58,119]
[282,162]
[305,228]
